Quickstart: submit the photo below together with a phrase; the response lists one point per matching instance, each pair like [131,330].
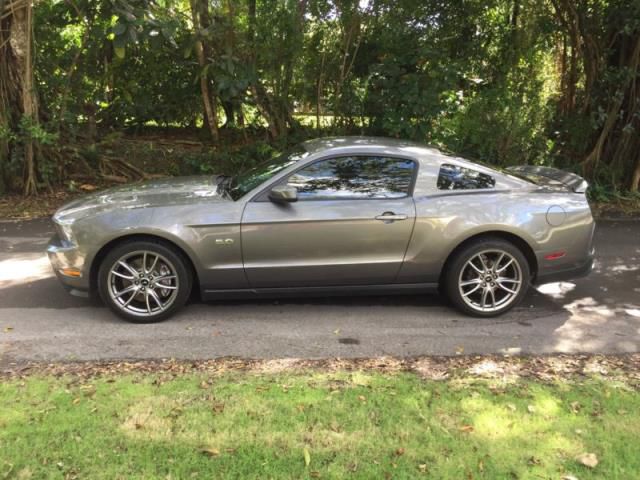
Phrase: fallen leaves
[307,456]
[42,205]
[467,428]
[575,407]
[7,329]
[543,368]
[588,460]
[210,451]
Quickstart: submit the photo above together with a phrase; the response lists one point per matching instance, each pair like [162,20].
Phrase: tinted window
[354,177]
[250,179]
[453,177]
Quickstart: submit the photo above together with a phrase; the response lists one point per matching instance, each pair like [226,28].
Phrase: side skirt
[331,291]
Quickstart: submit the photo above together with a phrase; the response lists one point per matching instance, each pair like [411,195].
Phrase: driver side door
[350,225]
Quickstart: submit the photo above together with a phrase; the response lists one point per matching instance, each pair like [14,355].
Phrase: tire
[144,297]
[487,277]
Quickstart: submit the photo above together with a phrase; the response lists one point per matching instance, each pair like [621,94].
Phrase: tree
[601,84]
[18,100]
[201,22]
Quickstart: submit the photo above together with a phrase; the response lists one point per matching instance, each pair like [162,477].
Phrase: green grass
[350,424]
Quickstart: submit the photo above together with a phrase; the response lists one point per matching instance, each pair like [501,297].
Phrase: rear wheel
[144,281]
[487,278]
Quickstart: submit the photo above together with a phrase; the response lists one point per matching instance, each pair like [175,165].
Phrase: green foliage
[7,134]
[226,162]
[31,130]
[496,80]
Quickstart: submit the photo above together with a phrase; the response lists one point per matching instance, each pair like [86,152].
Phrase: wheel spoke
[130,298]
[168,287]
[483,302]
[118,274]
[497,264]
[506,279]
[472,265]
[165,277]
[513,292]
[128,267]
[466,294]
[504,267]
[156,299]
[493,298]
[144,262]
[153,265]
[474,281]
[484,265]
[126,290]
[146,299]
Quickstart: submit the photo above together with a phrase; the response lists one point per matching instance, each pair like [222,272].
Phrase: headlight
[65,232]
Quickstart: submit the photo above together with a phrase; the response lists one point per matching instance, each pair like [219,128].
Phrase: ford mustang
[333,216]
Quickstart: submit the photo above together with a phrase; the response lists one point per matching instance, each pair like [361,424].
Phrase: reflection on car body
[344,215]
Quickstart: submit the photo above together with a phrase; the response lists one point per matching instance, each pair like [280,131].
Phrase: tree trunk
[261,96]
[29,105]
[210,110]
[17,92]
[635,179]
[592,159]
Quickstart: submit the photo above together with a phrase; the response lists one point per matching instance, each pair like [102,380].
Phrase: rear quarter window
[455,177]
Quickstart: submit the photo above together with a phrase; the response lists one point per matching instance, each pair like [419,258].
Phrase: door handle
[389,217]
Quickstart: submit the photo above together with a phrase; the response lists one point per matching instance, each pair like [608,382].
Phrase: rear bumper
[576,271]
[65,257]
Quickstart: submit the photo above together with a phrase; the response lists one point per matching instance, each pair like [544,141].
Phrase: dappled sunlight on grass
[358,424]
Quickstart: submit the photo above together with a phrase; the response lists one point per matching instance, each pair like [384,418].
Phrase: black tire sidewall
[185,278]
[460,259]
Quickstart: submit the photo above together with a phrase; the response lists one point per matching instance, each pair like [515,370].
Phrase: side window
[453,177]
[356,177]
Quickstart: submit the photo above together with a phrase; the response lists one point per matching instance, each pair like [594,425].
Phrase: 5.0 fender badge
[224,241]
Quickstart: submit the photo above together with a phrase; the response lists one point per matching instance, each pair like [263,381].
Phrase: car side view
[334,216]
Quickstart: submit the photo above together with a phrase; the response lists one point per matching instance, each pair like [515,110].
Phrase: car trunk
[549,177]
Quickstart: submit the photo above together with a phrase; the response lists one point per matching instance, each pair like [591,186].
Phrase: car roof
[330,143]
[426,153]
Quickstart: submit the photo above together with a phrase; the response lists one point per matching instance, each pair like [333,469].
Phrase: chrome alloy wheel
[490,280]
[143,283]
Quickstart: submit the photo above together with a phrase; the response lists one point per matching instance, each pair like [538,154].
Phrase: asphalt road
[39,321]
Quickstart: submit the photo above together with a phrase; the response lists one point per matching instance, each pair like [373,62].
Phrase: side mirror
[283,194]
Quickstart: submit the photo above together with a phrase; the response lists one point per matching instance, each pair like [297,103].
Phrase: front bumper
[575,271]
[68,263]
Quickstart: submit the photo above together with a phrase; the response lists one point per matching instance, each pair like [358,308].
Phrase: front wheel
[487,278]
[144,281]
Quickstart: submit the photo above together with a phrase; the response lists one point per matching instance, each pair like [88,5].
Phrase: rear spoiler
[550,177]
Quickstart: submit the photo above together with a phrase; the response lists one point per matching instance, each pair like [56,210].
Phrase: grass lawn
[316,423]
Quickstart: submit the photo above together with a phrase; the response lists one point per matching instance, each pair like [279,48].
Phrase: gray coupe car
[349,215]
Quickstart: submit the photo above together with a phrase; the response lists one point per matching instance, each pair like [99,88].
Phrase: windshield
[247,181]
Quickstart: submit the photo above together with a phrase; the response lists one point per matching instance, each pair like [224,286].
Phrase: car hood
[152,193]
